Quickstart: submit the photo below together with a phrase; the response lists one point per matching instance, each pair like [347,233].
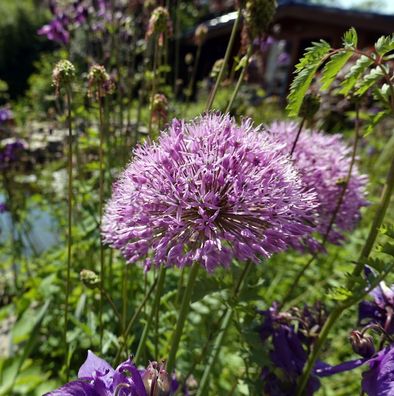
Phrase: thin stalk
[155,66]
[225,61]
[101,202]
[187,294]
[69,229]
[156,304]
[202,389]
[337,207]
[177,44]
[193,76]
[113,306]
[134,318]
[297,136]
[336,313]
[240,78]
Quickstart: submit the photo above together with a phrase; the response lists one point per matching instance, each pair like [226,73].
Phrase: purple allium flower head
[96,377]
[290,344]
[323,161]
[5,115]
[381,310]
[208,191]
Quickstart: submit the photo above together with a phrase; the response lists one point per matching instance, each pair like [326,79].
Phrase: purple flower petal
[74,388]
[94,363]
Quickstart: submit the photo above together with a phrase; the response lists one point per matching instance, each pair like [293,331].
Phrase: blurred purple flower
[3,207]
[5,115]
[264,43]
[290,346]
[208,190]
[381,310]
[323,161]
[56,30]
[283,58]
[10,153]
[97,378]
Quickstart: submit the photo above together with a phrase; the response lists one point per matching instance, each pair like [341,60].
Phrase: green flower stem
[337,207]
[133,320]
[187,294]
[156,58]
[225,62]
[156,304]
[240,78]
[69,229]
[336,313]
[101,202]
[202,389]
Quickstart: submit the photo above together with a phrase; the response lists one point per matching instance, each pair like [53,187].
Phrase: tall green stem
[154,82]
[101,201]
[69,229]
[220,337]
[240,78]
[225,61]
[187,294]
[336,313]
[156,305]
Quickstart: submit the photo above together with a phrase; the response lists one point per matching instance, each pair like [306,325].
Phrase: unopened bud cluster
[159,22]
[156,380]
[160,108]
[200,34]
[258,16]
[89,278]
[63,74]
[100,83]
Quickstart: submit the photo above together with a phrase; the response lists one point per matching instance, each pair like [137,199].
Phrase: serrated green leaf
[385,44]
[355,72]
[305,71]
[369,80]
[373,121]
[333,66]
[350,38]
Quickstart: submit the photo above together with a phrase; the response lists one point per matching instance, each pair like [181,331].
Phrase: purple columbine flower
[56,30]
[290,348]
[208,191]
[378,380]
[97,378]
[323,161]
[10,153]
[381,310]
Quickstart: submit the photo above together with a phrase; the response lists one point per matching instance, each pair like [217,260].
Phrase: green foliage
[384,45]
[305,71]
[333,66]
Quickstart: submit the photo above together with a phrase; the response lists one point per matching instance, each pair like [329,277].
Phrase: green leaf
[350,38]
[374,120]
[305,71]
[385,44]
[332,68]
[369,80]
[355,72]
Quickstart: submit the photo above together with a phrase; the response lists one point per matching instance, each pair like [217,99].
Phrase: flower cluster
[208,191]
[258,16]
[323,162]
[160,108]
[63,74]
[100,83]
[291,334]
[97,378]
[159,23]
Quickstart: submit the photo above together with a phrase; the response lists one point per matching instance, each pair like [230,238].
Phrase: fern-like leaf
[333,66]
[369,80]
[305,71]
[385,44]
[350,38]
[355,72]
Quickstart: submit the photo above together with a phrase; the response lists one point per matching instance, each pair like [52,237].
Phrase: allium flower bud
[156,380]
[160,108]
[310,106]
[89,278]
[362,344]
[159,22]
[200,34]
[258,15]
[100,83]
[63,74]
[216,68]
[189,58]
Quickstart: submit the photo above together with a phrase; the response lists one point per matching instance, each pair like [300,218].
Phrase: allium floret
[323,162]
[208,191]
